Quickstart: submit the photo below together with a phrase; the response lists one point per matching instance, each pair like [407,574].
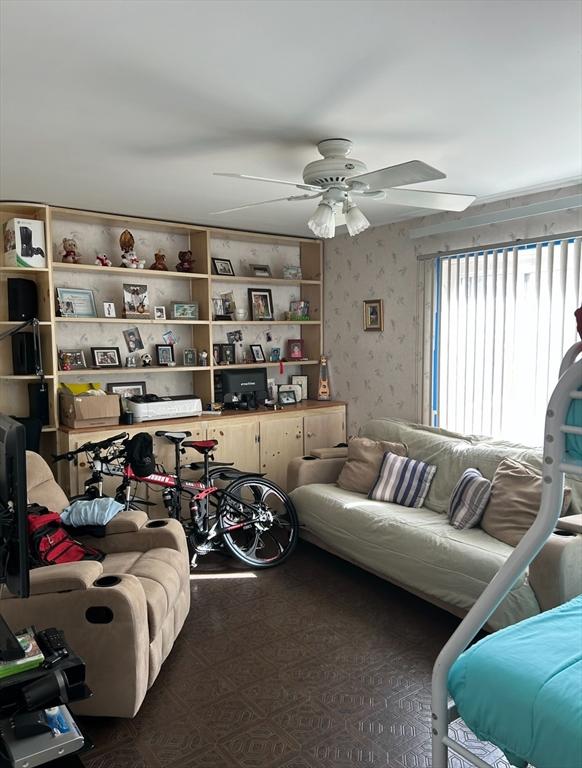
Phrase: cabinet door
[238,442]
[281,441]
[323,430]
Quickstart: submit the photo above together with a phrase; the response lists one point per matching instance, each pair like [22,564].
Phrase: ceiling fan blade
[398,175]
[420,198]
[270,181]
[265,202]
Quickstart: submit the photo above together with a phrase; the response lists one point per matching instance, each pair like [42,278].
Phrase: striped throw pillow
[469,499]
[403,481]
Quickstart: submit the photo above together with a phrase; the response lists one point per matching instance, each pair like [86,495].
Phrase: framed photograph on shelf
[223,267]
[106,357]
[127,388]
[261,270]
[275,355]
[182,311]
[287,398]
[71,359]
[261,304]
[165,354]
[159,313]
[109,309]
[136,301]
[190,357]
[257,353]
[227,354]
[298,310]
[374,315]
[216,354]
[302,382]
[76,302]
[219,309]
[295,349]
[133,340]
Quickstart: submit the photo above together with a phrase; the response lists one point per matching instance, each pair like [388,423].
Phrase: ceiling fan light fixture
[356,222]
[322,223]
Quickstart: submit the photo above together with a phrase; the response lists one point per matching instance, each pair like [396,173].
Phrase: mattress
[521,688]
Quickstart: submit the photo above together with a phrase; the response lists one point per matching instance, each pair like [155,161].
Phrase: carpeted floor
[315,664]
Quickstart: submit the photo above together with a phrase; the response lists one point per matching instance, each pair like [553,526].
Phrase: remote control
[53,641]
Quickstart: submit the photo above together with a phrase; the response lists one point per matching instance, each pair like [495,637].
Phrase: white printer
[171,407]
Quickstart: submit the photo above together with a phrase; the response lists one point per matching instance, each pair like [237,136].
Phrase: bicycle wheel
[268,526]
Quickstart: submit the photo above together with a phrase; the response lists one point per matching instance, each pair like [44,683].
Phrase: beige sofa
[417,548]
[120,615]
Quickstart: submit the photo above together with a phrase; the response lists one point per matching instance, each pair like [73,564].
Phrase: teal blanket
[521,688]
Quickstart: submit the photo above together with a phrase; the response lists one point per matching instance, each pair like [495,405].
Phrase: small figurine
[160,262]
[186,263]
[146,360]
[131,261]
[103,260]
[203,358]
[126,241]
[70,248]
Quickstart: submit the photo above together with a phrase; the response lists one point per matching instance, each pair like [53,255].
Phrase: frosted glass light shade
[322,223]
[356,222]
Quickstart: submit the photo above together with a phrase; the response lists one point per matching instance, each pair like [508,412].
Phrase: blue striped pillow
[469,499]
[403,481]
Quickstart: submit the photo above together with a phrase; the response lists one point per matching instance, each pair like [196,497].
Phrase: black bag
[140,454]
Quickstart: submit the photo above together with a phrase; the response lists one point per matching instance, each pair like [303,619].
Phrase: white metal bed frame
[553,470]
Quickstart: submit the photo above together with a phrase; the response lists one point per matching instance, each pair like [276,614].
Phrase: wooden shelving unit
[99,232]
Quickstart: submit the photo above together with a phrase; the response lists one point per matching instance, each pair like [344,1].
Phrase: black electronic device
[38,401]
[26,243]
[22,299]
[23,354]
[13,534]
[242,390]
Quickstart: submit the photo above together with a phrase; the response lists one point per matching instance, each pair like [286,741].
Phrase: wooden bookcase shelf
[98,232]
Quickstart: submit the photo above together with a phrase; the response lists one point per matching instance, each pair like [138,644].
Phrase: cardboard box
[24,243]
[89,410]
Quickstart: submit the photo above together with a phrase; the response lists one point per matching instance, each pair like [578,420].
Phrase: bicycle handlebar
[102,444]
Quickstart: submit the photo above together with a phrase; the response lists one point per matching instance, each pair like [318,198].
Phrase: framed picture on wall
[374,315]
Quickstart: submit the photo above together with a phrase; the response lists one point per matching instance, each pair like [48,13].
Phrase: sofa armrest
[153,535]
[126,521]
[67,577]
[556,574]
[308,470]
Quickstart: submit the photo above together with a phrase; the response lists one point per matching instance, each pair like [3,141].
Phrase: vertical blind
[504,319]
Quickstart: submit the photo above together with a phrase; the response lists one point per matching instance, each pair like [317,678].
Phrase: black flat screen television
[14,561]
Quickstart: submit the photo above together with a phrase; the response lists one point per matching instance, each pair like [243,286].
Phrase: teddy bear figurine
[103,260]
[186,263]
[70,248]
[160,262]
[130,260]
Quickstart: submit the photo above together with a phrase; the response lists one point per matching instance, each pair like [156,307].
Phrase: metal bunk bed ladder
[555,464]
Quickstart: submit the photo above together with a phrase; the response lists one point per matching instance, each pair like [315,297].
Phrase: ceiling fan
[340,181]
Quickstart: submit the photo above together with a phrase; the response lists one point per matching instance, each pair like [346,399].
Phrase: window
[504,319]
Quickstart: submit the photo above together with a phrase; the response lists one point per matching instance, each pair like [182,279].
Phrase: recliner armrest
[308,470]
[66,577]
[556,573]
[126,522]
[166,532]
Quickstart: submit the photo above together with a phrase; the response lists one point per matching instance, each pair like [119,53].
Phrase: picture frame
[227,354]
[133,339]
[136,301]
[106,357]
[76,302]
[185,311]
[258,354]
[127,388]
[295,349]
[374,315]
[275,355]
[229,303]
[298,310]
[169,337]
[234,337]
[216,354]
[159,313]
[261,304]
[218,308]
[222,267]
[287,397]
[301,381]
[190,357]
[109,309]
[71,359]
[292,272]
[165,354]
[261,270]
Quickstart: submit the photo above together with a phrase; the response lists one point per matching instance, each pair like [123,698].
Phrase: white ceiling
[130,106]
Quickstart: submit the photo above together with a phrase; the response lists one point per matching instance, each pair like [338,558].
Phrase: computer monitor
[13,501]
[243,388]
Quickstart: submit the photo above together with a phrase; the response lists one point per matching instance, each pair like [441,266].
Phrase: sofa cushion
[158,575]
[403,481]
[365,456]
[516,494]
[469,499]
[414,547]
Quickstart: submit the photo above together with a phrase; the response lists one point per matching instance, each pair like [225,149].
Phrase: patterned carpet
[315,664]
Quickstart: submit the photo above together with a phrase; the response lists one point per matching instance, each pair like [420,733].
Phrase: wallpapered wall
[376,373]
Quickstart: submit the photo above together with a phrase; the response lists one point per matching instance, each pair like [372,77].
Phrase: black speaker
[33,429]
[38,402]
[22,299]
[23,363]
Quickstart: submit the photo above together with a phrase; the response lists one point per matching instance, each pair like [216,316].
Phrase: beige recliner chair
[121,615]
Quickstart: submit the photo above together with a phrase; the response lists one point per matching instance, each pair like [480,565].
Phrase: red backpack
[50,544]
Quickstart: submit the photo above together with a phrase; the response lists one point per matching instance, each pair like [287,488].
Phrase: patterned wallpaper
[376,373]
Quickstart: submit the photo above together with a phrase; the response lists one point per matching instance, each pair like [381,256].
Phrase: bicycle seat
[174,437]
[202,446]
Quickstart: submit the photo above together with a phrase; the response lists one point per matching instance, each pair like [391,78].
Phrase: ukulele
[323,392]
